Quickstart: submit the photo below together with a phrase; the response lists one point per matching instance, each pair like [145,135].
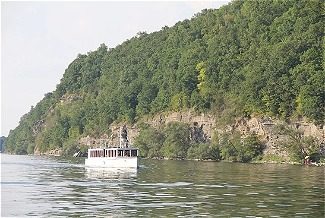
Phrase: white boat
[121,156]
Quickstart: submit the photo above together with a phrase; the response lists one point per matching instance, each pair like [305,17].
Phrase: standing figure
[124,137]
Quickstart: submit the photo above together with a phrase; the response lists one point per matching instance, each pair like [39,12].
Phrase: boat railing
[118,152]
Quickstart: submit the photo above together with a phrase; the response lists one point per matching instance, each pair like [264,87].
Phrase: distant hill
[248,57]
[2,143]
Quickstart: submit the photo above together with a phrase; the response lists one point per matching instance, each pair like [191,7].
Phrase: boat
[110,173]
[115,157]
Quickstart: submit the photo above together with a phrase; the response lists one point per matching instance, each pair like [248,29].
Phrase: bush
[70,148]
[30,148]
[203,151]
[250,148]
[171,142]
[228,147]
[233,148]
[21,150]
[177,140]
[296,144]
[149,142]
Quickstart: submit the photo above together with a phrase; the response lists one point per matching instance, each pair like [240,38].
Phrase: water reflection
[110,173]
[50,187]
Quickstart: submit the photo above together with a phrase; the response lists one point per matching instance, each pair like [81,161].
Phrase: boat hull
[117,162]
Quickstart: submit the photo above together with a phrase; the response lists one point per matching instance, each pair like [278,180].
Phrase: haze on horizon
[40,39]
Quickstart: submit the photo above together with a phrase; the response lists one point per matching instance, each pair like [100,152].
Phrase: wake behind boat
[121,156]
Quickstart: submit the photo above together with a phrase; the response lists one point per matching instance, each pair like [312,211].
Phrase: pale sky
[40,39]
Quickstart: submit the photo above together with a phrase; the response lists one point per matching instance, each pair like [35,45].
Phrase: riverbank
[320,164]
[252,162]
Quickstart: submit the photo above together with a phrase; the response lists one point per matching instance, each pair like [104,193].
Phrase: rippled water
[47,187]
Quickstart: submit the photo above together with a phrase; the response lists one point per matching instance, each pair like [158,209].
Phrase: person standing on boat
[124,136]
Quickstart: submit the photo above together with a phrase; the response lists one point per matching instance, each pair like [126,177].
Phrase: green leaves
[235,148]
[173,141]
[296,144]
[170,142]
[177,140]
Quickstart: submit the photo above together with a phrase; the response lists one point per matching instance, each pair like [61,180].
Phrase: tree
[297,145]
[150,141]
[177,140]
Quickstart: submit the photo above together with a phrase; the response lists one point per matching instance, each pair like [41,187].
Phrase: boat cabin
[116,156]
[112,152]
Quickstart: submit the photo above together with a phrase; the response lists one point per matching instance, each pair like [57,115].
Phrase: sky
[39,39]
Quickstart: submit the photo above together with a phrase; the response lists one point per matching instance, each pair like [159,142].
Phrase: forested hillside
[248,57]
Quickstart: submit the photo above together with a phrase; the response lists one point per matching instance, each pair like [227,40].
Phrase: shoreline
[198,160]
[252,162]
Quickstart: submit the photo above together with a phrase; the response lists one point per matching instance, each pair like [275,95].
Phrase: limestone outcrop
[203,126]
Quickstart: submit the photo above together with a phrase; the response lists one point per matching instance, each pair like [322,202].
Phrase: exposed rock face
[264,128]
[68,98]
[54,152]
[197,134]
[203,126]
[206,122]
[38,126]
[95,142]
[113,139]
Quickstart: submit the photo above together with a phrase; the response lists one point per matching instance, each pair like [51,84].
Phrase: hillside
[2,143]
[246,58]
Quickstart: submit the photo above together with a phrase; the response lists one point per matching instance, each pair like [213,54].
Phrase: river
[53,187]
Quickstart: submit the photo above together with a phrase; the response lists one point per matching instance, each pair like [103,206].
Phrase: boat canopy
[113,152]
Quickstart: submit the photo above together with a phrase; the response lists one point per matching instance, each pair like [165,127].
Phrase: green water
[52,187]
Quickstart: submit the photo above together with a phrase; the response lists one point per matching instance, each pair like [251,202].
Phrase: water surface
[48,186]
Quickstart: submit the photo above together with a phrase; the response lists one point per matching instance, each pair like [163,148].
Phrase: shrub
[203,151]
[250,148]
[233,148]
[177,140]
[149,141]
[296,144]
[70,147]
[228,146]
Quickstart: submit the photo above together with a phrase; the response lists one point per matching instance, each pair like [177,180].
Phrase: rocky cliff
[205,125]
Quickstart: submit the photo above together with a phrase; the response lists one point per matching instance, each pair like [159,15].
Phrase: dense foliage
[263,57]
[233,148]
[173,141]
[299,146]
